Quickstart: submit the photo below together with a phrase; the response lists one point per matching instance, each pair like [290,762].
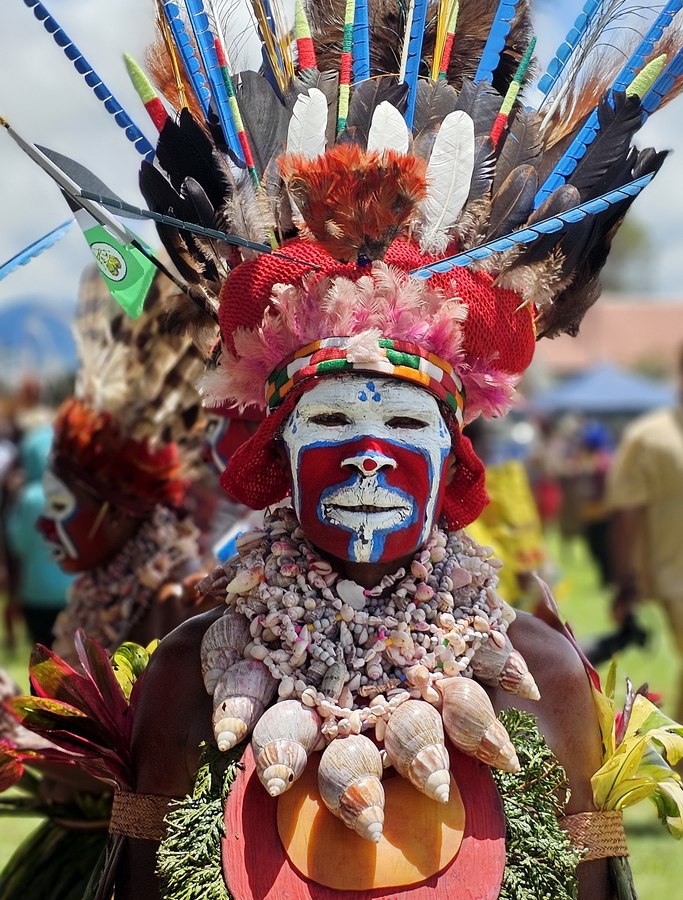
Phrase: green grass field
[656,858]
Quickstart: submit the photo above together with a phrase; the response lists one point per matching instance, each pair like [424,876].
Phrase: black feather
[184,149]
[434,101]
[619,120]
[513,202]
[481,102]
[484,168]
[523,145]
[365,100]
[186,253]
[265,118]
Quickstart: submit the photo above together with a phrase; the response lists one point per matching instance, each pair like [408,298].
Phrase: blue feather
[271,76]
[564,51]
[412,64]
[185,48]
[647,45]
[361,42]
[577,150]
[201,28]
[659,90]
[495,42]
[35,249]
[93,80]
[530,233]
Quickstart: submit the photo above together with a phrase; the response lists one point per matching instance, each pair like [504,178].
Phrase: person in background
[645,494]
[42,587]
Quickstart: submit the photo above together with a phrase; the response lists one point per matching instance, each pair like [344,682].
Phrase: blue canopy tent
[604,388]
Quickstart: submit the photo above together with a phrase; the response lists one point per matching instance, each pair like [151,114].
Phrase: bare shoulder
[566,712]
[173,715]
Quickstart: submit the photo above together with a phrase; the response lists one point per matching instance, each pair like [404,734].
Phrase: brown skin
[174,716]
[626,534]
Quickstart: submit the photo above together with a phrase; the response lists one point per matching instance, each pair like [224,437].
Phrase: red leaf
[97,665]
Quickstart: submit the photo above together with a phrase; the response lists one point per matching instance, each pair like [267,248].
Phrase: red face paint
[368,460]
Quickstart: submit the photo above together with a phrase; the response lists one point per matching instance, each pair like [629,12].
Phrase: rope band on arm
[140,816]
[600,834]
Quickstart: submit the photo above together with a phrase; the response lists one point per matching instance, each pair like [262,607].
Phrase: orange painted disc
[257,867]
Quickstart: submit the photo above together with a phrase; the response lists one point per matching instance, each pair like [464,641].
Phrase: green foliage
[540,861]
[189,857]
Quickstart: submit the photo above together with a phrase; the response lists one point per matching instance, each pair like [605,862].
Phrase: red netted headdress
[424,225]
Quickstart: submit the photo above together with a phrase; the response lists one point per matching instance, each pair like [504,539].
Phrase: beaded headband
[392,358]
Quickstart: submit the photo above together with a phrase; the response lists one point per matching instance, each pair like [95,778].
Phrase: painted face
[223,437]
[368,460]
[82,531]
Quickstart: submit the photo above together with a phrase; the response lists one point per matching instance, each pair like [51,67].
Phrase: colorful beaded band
[397,359]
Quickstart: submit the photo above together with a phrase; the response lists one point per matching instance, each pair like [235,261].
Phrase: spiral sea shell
[414,742]
[239,700]
[504,667]
[223,646]
[471,723]
[349,779]
[283,738]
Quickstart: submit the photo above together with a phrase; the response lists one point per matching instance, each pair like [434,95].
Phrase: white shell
[352,594]
[223,646]
[239,700]
[349,779]
[471,723]
[414,742]
[282,740]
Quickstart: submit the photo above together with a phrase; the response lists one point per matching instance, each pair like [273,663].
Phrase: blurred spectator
[646,496]
[593,465]
[41,587]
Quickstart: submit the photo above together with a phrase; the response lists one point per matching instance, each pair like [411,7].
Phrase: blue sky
[43,98]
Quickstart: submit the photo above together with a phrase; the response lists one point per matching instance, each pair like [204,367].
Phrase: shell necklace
[110,600]
[355,654]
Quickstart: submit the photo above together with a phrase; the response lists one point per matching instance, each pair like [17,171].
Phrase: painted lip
[48,530]
[369,508]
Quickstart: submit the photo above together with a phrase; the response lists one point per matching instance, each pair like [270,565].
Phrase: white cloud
[48,102]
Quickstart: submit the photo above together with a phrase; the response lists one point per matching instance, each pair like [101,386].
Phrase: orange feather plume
[355,203]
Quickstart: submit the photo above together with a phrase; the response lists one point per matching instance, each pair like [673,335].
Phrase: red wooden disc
[256,867]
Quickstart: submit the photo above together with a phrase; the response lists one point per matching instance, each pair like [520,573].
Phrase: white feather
[308,125]
[449,176]
[388,130]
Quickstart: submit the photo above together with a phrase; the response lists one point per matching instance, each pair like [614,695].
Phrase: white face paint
[367,457]
[60,505]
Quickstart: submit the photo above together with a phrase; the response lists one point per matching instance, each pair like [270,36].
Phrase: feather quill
[411,56]
[361,42]
[564,52]
[449,179]
[201,28]
[92,79]
[496,40]
[531,233]
[388,130]
[193,69]
[663,89]
[35,248]
[579,146]
[306,135]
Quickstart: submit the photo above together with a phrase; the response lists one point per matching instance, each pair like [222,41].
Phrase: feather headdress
[133,431]
[387,143]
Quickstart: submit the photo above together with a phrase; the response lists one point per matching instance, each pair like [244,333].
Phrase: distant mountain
[35,337]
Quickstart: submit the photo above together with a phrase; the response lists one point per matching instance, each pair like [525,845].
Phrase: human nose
[370,463]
